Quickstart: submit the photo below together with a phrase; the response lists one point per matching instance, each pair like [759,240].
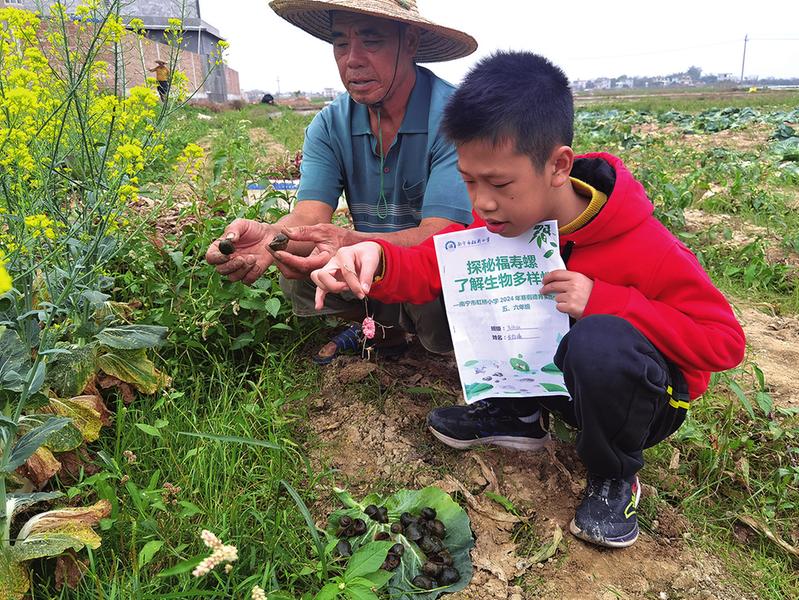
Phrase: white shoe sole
[505,441]
[577,532]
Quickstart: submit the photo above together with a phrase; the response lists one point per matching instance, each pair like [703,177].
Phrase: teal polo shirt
[420,176]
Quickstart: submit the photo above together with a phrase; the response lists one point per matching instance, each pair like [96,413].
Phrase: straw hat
[436,43]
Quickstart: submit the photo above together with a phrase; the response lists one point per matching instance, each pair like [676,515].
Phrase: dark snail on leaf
[343,548]
[424,582]
[428,513]
[449,576]
[398,549]
[437,529]
[432,569]
[413,532]
[392,562]
[359,527]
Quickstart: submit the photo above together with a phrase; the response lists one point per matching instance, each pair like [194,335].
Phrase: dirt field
[385,440]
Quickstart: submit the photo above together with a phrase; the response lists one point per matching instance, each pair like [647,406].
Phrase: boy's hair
[516,96]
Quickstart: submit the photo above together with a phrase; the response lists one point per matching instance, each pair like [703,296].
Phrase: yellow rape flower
[5,278]
[192,158]
[41,225]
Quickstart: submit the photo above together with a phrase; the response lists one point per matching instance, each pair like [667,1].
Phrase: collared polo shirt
[420,176]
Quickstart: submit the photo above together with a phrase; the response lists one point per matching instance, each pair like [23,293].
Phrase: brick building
[199,48]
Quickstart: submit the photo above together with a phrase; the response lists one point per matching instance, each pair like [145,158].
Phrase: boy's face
[507,191]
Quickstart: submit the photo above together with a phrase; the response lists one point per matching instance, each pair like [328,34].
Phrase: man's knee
[429,321]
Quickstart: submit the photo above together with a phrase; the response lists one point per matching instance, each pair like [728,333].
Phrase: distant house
[199,48]
[623,82]
[603,83]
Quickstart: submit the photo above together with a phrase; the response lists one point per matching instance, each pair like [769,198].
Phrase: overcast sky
[587,39]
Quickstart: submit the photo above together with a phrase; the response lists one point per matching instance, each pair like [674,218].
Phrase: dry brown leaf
[108,381]
[576,488]
[488,473]
[74,462]
[674,463]
[40,467]
[763,528]
[69,570]
[478,505]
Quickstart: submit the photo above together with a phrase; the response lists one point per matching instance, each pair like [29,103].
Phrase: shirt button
[386,170]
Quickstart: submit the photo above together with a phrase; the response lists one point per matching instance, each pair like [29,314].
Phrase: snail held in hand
[279,242]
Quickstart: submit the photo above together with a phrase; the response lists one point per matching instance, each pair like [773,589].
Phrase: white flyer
[505,332]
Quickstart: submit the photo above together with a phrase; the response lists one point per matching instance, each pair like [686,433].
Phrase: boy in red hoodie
[648,326]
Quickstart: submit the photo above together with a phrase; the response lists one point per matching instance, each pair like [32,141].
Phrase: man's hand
[571,290]
[352,268]
[251,258]
[327,239]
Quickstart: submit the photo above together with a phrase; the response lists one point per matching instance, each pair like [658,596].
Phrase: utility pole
[278,87]
[743,61]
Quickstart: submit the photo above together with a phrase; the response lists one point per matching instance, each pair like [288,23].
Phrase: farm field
[149,400]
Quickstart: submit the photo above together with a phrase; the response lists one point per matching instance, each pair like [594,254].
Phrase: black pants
[625,395]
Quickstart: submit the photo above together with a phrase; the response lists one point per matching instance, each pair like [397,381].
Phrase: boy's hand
[571,290]
[352,267]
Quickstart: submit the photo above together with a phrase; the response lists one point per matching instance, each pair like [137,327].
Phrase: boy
[648,325]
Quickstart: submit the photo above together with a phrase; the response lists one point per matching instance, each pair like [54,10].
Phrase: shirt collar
[416,114]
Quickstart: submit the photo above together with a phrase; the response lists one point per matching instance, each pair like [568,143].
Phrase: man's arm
[406,237]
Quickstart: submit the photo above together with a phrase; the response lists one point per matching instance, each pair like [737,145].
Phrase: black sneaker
[484,422]
[606,516]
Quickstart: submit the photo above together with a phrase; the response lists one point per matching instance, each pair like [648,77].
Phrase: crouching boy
[648,326]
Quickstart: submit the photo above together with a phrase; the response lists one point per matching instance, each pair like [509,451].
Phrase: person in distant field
[648,326]
[378,143]
[162,77]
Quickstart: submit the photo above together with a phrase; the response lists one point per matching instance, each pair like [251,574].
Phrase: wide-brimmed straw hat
[436,43]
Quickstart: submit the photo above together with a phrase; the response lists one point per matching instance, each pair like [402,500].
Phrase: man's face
[366,50]
[507,191]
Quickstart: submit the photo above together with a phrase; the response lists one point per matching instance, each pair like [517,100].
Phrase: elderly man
[379,143]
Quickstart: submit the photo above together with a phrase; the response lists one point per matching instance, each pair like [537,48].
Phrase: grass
[231,487]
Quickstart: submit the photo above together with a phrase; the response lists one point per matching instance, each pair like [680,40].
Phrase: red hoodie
[641,273]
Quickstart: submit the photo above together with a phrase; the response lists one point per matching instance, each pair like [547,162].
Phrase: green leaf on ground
[133,337]
[134,367]
[69,374]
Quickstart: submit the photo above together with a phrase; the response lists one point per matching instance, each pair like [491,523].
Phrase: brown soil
[741,232]
[381,444]
[774,346]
